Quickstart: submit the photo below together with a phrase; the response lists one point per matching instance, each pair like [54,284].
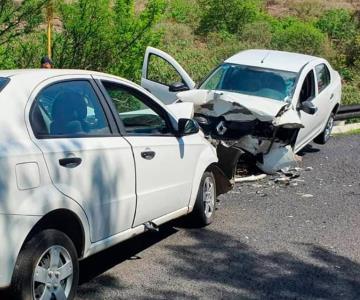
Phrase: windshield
[253,81]
[3,82]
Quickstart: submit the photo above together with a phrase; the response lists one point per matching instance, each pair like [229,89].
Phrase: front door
[159,72]
[165,164]
[307,93]
[86,159]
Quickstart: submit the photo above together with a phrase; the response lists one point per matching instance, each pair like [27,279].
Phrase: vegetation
[111,35]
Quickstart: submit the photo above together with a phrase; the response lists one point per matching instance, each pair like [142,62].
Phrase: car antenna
[265,57]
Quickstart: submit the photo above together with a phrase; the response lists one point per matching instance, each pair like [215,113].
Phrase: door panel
[165,164]
[325,94]
[103,183]
[86,161]
[163,182]
[159,71]
[310,122]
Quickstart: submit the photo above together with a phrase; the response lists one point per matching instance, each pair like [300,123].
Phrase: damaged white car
[269,104]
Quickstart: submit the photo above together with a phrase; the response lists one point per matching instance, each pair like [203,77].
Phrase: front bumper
[13,232]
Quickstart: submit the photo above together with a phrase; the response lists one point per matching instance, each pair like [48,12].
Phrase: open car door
[163,76]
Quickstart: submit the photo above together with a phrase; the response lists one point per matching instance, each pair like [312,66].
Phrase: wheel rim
[53,275]
[209,196]
[329,127]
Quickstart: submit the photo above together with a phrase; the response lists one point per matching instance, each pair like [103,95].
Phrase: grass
[352,132]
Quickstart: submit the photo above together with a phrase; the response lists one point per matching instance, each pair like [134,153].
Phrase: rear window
[3,82]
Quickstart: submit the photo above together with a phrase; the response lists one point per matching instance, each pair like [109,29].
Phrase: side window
[68,108]
[308,89]
[137,117]
[322,76]
[159,70]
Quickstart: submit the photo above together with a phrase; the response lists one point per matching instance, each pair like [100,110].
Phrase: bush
[257,34]
[339,24]
[230,16]
[184,11]
[296,36]
[351,94]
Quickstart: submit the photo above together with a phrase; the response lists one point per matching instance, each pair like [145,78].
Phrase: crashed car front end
[265,129]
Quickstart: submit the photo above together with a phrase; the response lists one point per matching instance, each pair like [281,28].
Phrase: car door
[163,76]
[307,93]
[165,164]
[86,157]
[325,96]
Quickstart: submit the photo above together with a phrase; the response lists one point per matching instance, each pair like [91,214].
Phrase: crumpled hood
[220,103]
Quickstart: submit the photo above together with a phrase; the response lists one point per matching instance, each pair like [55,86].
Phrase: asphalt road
[269,241]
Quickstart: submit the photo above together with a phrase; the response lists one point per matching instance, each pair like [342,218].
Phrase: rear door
[165,164]
[326,97]
[160,71]
[86,157]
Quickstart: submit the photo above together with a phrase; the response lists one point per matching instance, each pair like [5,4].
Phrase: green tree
[19,21]
[105,35]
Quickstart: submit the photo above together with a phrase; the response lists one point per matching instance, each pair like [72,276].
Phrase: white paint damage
[264,128]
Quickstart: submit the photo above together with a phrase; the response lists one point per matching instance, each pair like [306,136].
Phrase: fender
[48,199]
[206,159]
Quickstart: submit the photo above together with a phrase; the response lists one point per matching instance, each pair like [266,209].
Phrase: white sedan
[89,160]
[269,103]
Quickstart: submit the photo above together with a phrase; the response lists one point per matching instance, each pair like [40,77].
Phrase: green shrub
[339,24]
[351,94]
[184,11]
[257,34]
[296,36]
[229,16]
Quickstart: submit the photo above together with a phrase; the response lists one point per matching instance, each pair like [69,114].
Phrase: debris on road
[307,196]
[251,178]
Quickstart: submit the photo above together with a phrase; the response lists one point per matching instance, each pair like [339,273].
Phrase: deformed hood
[232,106]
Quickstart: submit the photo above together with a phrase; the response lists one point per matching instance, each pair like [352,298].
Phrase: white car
[89,160]
[268,103]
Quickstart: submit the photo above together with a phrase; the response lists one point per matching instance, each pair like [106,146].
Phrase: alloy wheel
[53,275]
[209,196]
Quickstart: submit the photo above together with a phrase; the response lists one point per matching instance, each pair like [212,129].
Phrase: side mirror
[308,107]
[187,127]
[178,87]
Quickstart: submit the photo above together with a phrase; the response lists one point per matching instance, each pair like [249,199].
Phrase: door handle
[148,155]
[70,162]
[332,96]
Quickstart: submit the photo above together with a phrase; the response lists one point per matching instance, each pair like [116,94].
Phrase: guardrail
[348,112]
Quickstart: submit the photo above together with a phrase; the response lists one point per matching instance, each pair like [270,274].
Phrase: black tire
[201,214]
[323,137]
[36,253]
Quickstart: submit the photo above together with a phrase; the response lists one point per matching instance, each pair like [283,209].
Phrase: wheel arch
[336,108]
[65,221]
[223,183]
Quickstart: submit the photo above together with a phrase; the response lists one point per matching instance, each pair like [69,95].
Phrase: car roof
[272,59]
[32,77]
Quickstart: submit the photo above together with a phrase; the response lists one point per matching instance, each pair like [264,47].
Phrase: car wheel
[47,268]
[323,137]
[204,208]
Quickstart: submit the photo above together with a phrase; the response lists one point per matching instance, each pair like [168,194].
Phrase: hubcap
[329,127]
[53,275]
[209,196]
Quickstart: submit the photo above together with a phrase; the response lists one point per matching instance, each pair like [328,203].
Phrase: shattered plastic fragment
[250,178]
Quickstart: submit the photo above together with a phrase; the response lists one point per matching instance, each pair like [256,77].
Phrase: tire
[323,137]
[35,277]
[205,204]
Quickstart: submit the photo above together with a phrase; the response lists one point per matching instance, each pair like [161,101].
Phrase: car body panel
[159,90]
